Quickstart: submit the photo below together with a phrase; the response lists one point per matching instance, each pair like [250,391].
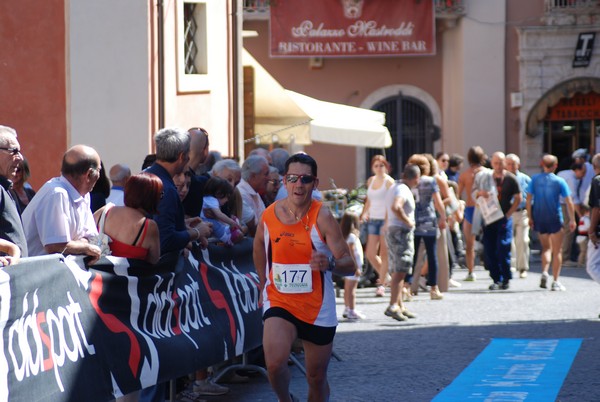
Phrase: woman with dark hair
[100,191]
[373,215]
[21,193]
[133,234]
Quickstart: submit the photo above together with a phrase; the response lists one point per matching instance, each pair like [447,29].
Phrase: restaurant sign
[579,107]
[352,28]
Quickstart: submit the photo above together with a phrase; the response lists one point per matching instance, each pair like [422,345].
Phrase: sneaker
[494,286]
[406,294]
[470,277]
[380,292]
[435,294]
[544,280]
[355,315]
[556,285]
[396,314]
[207,387]
[569,263]
[345,313]
[453,284]
[523,274]
[504,286]
[407,313]
[423,283]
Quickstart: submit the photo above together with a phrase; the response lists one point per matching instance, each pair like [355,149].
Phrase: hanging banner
[74,334]
[356,28]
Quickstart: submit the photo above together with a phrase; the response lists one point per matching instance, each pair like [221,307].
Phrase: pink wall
[32,83]
[347,81]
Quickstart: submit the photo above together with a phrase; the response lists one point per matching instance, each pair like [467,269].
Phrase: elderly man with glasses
[11,228]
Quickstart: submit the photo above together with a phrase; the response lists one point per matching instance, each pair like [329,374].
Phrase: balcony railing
[259,9]
[572,12]
[572,6]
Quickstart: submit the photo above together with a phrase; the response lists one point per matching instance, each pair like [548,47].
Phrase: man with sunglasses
[11,228]
[199,144]
[298,244]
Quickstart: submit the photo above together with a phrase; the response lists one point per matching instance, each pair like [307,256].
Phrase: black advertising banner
[72,334]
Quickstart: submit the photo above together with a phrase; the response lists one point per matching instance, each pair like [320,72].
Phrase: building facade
[499,69]
[110,73]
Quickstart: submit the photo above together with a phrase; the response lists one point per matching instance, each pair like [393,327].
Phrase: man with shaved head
[59,219]
[497,236]
[545,217]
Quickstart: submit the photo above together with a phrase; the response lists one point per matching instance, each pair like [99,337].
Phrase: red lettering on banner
[176,328]
[41,318]
[116,326]
[219,301]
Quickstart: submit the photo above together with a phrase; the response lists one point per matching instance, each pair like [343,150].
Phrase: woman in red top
[133,234]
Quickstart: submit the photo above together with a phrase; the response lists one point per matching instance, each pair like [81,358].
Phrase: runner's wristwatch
[331,266]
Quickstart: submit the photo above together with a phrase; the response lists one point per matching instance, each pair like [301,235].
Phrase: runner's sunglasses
[304,178]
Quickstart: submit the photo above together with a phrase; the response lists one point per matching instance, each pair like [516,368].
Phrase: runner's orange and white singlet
[307,295]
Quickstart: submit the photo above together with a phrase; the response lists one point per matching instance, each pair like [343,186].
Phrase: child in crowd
[216,193]
[350,229]
[582,238]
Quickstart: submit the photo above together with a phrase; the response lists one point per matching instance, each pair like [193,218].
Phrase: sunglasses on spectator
[274,182]
[13,151]
[203,131]
[304,178]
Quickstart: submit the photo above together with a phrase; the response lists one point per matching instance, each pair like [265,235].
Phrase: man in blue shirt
[520,244]
[543,208]
[172,157]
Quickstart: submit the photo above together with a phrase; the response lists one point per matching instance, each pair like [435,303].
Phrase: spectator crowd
[417,232]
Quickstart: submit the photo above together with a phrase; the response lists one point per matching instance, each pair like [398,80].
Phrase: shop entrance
[571,124]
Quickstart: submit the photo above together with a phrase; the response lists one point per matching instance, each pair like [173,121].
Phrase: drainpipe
[161,63]
[235,73]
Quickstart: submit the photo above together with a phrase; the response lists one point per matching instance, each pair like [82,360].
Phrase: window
[411,126]
[192,46]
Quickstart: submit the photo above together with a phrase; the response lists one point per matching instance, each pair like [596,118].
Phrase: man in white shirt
[59,219]
[118,176]
[255,175]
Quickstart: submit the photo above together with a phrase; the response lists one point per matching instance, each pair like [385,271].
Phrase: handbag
[103,239]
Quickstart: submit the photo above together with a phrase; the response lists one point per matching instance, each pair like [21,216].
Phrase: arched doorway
[411,126]
[572,124]
[568,117]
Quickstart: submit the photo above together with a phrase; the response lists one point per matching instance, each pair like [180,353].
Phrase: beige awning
[285,116]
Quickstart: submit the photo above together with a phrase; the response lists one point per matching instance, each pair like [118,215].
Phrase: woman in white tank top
[373,216]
